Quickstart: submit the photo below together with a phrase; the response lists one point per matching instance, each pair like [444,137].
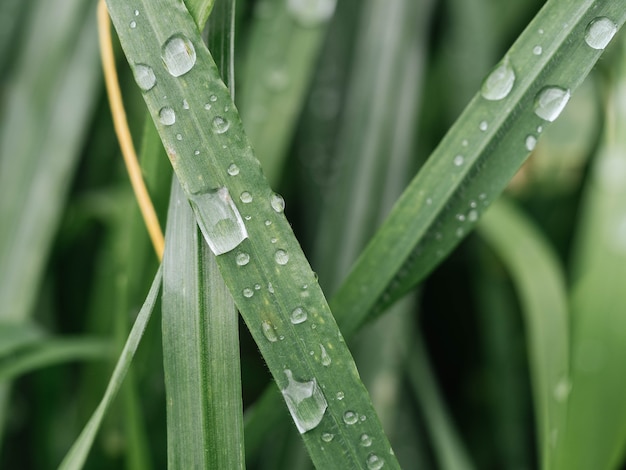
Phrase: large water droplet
[350,417]
[220,125]
[277,203]
[144,76]
[311,12]
[242,259]
[167,116]
[178,54]
[268,331]
[499,83]
[366,440]
[298,315]
[219,220]
[550,101]
[374,462]
[599,32]
[245,197]
[325,358]
[305,401]
[281,257]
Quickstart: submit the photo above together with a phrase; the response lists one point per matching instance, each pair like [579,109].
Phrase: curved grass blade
[260,259]
[15,336]
[200,10]
[480,153]
[76,456]
[539,281]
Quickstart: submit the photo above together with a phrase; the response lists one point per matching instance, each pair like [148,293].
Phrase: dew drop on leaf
[178,54]
[298,315]
[325,358]
[133,24]
[327,437]
[167,116]
[530,142]
[281,257]
[144,76]
[340,396]
[246,197]
[550,101]
[458,160]
[537,50]
[247,292]
[305,401]
[499,82]
[242,259]
[483,126]
[599,32]
[277,202]
[233,170]
[366,440]
[374,462]
[220,125]
[350,417]
[268,331]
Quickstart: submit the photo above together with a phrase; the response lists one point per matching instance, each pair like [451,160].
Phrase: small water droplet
[537,50]
[311,12]
[366,440]
[539,129]
[213,98]
[178,54]
[247,292]
[340,396]
[246,197]
[277,202]
[540,31]
[472,216]
[270,288]
[458,160]
[325,358]
[550,101]
[268,331]
[219,220]
[273,240]
[281,257]
[374,462]
[298,316]
[465,143]
[242,259]
[499,83]
[530,142]
[208,106]
[196,152]
[179,137]
[185,104]
[305,401]
[483,126]
[167,116]
[144,76]
[233,170]
[257,287]
[350,417]
[460,217]
[599,32]
[327,437]
[268,223]
[482,196]
[220,125]
[133,24]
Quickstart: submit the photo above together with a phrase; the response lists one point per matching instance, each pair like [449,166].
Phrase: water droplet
[311,12]
[599,32]
[305,401]
[213,98]
[458,160]
[325,358]
[298,316]
[540,31]
[327,437]
[273,240]
[340,396]
[277,202]
[178,54]
[185,104]
[460,217]
[530,142]
[550,101]
[350,417]
[268,331]
[133,24]
[220,125]
[366,440]
[460,232]
[270,288]
[465,143]
[144,76]
[281,257]
[499,83]
[268,223]
[472,216]
[208,106]
[537,50]
[483,126]
[167,116]
[196,152]
[247,292]
[539,129]
[233,170]
[179,137]
[246,197]
[219,220]
[242,259]
[374,462]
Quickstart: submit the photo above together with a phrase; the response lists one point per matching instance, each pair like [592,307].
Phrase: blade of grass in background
[539,280]
[480,153]
[596,433]
[262,263]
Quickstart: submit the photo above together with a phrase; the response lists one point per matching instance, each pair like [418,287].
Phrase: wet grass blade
[260,259]
[480,153]
[539,281]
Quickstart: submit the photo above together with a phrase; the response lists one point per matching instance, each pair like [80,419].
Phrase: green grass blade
[596,433]
[539,281]
[14,336]
[477,157]
[260,259]
[76,456]
[282,50]
[200,10]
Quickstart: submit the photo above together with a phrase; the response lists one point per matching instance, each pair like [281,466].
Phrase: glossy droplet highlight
[305,401]
[277,202]
[242,259]
[298,315]
[281,257]
[219,220]
[327,437]
[340,396]
[324,357]
[233,170]
[350,417]
[220,125]
[144,76]
[311,12]
[530,142]
[499,83]
[167,116]
[374,462]
[178,54]
[599,33]
[247,292]
[537,50]
[268,331]
[365,440]
[483,126]
[550,101]
[133,24]
[246,197]
[458,160]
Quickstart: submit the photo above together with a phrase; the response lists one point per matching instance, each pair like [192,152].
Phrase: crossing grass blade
[540,284]
[478,156]
[266,272]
